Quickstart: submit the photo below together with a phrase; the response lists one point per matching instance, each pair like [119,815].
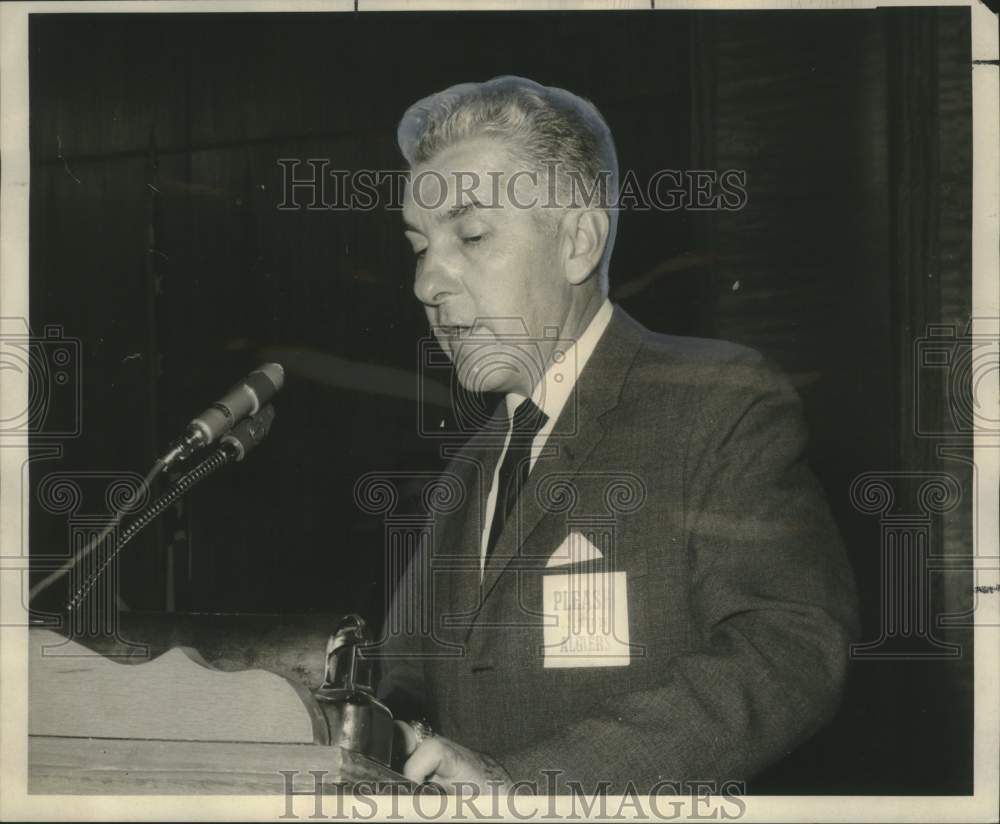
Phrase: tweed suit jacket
[684,457]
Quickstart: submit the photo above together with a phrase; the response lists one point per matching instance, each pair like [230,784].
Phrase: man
[643,583]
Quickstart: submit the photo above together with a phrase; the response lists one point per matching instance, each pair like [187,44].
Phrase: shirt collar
[553,390]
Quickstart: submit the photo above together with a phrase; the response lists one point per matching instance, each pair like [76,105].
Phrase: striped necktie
[528,419]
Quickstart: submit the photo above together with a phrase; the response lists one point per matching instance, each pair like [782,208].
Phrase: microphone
[243,400]
[248,433]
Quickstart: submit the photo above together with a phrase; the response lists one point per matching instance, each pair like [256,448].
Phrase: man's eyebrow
[459,211]
[452,214]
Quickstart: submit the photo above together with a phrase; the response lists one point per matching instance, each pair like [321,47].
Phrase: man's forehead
[445,196]
[482,154]
[446,189]
[442,211]
[476,173]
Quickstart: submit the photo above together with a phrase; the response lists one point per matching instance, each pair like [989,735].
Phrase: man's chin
[482,374]
[496,368]
[479,382]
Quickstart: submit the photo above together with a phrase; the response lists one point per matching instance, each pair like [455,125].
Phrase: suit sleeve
[401,684]
[773,607]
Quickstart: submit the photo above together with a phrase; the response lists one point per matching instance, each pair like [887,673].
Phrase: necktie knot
[528,419]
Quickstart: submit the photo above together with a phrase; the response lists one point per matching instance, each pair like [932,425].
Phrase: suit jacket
[684,457]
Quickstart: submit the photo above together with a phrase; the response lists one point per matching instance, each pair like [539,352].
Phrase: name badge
[586,620]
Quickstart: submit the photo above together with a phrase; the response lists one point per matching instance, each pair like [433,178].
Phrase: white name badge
[586,620]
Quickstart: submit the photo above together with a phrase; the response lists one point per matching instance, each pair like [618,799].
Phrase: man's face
[488,269]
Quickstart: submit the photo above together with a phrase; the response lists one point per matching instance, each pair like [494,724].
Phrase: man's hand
[451,765]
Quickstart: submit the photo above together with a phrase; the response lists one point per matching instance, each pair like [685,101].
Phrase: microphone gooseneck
[215,461]
[241,419]
[235,446]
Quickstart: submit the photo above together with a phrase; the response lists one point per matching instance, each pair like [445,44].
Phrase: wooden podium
[177,723]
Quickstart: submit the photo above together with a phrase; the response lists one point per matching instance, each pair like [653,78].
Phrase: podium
[122,717]
[80,766]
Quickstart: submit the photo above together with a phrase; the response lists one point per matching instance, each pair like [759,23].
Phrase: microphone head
[249,432]
[275,372]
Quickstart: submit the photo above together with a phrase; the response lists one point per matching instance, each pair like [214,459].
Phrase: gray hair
[546,126]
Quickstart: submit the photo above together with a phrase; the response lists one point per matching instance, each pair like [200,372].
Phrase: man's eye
[473,239]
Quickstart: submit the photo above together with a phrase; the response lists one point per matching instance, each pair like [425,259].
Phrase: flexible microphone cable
[116,519]
[235,446]
[246,400]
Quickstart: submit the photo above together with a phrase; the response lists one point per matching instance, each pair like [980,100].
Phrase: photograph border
[15,803]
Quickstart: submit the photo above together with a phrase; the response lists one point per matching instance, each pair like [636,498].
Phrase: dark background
[157,242]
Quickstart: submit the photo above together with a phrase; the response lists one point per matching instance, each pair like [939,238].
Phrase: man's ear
[585,234]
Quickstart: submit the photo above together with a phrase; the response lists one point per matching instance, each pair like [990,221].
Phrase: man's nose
[436,280]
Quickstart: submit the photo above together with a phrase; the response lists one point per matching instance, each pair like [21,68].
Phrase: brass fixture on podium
[357,720]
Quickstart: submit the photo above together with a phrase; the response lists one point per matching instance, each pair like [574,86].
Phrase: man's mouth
[455,331]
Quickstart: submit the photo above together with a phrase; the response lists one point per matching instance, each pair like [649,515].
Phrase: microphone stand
[116,519]
[219,457]
[233,447]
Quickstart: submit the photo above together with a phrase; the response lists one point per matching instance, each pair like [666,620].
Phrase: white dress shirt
[550,395]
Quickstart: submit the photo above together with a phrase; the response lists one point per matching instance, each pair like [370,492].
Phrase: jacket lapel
[456,558]
[577,432]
